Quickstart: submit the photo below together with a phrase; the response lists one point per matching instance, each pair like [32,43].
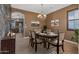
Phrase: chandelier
[41,15]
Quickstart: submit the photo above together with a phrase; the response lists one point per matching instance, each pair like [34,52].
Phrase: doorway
[18,19]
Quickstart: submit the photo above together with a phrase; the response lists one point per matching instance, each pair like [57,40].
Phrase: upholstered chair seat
[58,42]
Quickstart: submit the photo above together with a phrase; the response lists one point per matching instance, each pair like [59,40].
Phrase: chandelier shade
[41,15]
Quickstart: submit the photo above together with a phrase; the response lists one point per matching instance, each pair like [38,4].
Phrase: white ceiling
[46,8]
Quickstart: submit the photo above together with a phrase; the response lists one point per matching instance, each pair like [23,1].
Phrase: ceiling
[46,8]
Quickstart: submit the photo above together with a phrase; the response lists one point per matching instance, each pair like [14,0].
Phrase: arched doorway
[17,22]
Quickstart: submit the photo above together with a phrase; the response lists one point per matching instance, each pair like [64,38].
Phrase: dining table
[45,37]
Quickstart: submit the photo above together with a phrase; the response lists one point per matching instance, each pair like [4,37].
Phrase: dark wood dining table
[45,38]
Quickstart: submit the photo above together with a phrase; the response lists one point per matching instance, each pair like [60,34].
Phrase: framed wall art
[35,23]
[55,22]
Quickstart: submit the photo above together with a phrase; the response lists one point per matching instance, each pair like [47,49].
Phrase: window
[73,19]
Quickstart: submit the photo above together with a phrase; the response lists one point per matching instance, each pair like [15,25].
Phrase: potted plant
[75,36]
[44,29]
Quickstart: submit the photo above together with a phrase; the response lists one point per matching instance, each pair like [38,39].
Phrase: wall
[59,14]
[62,16]
[29,16]
[4,17]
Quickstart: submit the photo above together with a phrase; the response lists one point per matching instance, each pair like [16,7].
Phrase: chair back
[29,33]
[37,30]
[61,36]
[33,34]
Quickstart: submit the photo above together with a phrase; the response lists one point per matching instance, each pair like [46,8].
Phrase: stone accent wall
[4,19]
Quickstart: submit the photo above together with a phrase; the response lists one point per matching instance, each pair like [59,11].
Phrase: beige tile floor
[23,47]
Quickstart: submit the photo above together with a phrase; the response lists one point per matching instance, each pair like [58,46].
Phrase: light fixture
[41,15]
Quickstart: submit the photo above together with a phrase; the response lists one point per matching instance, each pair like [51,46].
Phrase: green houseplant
[76,35]
[44,28]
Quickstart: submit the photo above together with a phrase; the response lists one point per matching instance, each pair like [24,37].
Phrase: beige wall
[59,14]
[62,16]
[29,16]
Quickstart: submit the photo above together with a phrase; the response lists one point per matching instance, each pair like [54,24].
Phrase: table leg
[35,47]
[44,44]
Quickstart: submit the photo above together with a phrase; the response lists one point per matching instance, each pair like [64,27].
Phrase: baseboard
[71,42]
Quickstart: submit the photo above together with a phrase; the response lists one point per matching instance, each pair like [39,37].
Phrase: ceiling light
[41,15]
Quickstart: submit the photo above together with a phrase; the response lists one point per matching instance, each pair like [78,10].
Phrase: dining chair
[35,41]
[38,40]
[31,38]
[58,42]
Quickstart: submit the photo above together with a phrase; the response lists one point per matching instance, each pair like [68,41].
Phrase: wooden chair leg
[48,45]
[57,49]
[63,48]
[32,44]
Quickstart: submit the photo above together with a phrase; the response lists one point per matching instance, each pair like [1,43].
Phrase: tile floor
[23,47]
